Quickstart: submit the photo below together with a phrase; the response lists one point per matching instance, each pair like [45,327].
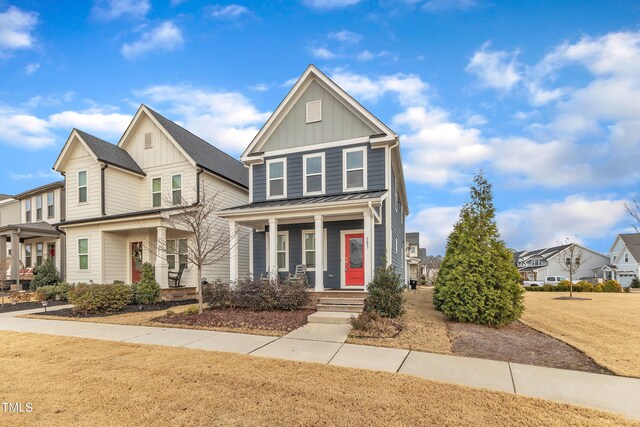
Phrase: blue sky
[543,96]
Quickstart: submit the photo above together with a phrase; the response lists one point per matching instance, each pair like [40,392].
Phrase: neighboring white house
[120,198]
[624,257]
[540,263]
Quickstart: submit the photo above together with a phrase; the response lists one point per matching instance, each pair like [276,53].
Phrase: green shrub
[612,286]
[598,288]
[547,288]
[627,289]
[635,283]
[386,293]
[147,291]
[57,292]
[583,286]
[45,274]
[92,299]
[563,286]
[192,311]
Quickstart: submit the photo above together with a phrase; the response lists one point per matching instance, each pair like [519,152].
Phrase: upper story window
[176,189]
[313,172]
[82,187]
[148,142]
[276,178]
[39,207]
[51,210]
[27,210]
[626,257]
[156,192]
[355,169]
[413,250]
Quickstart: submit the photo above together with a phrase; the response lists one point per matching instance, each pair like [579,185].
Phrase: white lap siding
[94,272]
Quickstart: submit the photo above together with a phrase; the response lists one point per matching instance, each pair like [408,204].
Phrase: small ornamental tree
[45,274]
[569,260]
[147,291]
[478,281]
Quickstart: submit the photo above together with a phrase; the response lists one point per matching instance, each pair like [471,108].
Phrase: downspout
[63,253]
[102,186]
[199,171]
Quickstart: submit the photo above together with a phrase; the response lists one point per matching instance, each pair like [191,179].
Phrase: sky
[544,97]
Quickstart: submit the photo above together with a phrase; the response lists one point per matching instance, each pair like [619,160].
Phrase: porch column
[368,247]
[162,267]
[319,236]
[233,252]
[273,252]
[15,256]
[3,249]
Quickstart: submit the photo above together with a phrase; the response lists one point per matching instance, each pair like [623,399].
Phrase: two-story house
[326,190]
[414,262]
[624,259]
[27,229]
[541,263]
[120,199]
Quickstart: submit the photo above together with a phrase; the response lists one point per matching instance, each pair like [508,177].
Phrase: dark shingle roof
[632,242]
[545,253]
[422,254]
[311,200]
[204,154]
[5,196]
[40,189]
[413,238]
[110,153]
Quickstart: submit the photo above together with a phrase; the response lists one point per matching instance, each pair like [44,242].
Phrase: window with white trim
[354,169]
[413,250]
[176,189]
[276,178]
[82,187]
[83,254]
[39,207]
[51,210]
[626,257]
[396,245]
[313,173]
[282,251]
[177,253]
[39,253]
[156,192]
[27,210]
[27,255]
[309,249]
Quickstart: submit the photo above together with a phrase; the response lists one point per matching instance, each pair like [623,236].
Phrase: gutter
[103,167]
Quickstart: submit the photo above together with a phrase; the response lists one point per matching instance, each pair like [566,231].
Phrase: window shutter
[314,111]
[148,143]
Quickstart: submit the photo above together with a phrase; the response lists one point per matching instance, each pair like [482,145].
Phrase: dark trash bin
[413,283]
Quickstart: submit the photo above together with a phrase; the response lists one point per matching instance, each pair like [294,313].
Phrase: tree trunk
[200,301]
[570,285]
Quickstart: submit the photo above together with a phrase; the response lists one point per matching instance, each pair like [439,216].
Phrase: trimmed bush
[92,299]
[192,311]
[371,324]
[612,286]
[217,294]
[57,292]
[635,283]
[147,291]
[45,274]
[259,295]
[598,288]
[627,290]
[562,286]
[291,294]
[386,295]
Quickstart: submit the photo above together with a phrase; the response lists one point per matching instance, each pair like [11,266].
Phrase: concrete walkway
[321,343]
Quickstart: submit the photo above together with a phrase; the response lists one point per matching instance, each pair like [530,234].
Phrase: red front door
[354,259]
[136,261]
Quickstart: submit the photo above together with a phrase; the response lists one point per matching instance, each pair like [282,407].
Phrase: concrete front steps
[337,310]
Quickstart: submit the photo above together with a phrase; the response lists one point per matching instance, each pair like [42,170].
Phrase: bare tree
[4,269]
[570,259]
[209,237]
[432,264]
[633,209]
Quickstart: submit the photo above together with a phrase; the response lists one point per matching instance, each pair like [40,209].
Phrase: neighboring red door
[136,261]
[354,259]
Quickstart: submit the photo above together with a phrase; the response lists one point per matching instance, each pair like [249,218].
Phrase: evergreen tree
[147,291]
[45,274]
[478,281]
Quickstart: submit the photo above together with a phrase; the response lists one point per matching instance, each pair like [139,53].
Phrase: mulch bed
[8,307]
[518,343]
[131,308]
[272,320]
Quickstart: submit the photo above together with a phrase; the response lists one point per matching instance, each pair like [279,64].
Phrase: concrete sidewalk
[325,344]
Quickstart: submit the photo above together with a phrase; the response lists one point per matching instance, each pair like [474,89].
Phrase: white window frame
[284,178]
[39,215]
[284,233]
[52,205]
[626,257]
[79,254]
[176,189]
[78,186]
[28,255]
[413,250]
[176,253]
[28,213]
[156,192]
[304,174]
[364,169]
[40,247]
[305,232]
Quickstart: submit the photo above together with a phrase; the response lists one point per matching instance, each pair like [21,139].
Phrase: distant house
[624,259]
[540,263]
[415,268]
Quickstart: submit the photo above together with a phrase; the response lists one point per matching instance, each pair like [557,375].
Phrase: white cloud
[261,87]
[165,37]
[48,100]
[16,30]
[345,36]
[114,9]
[31,68]
[34,175]
[495,69]
[434,224]
[231,11]
[445,5]
[100,121]
[323,53]
[330,4]
[227,120]
[409,88]
[23,130]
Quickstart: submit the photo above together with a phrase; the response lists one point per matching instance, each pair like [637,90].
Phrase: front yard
[108,383]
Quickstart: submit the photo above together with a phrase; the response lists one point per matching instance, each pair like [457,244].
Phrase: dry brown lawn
[425,327]
[73,381]
[144,318]
[606,328]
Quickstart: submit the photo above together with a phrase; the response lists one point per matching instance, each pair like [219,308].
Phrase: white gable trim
[61,160]
[311,74]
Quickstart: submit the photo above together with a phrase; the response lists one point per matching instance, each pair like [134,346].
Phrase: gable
[337,122]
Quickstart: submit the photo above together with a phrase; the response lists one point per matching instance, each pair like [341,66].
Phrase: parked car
[549,280]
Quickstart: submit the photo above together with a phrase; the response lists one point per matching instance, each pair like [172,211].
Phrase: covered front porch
[345,238]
